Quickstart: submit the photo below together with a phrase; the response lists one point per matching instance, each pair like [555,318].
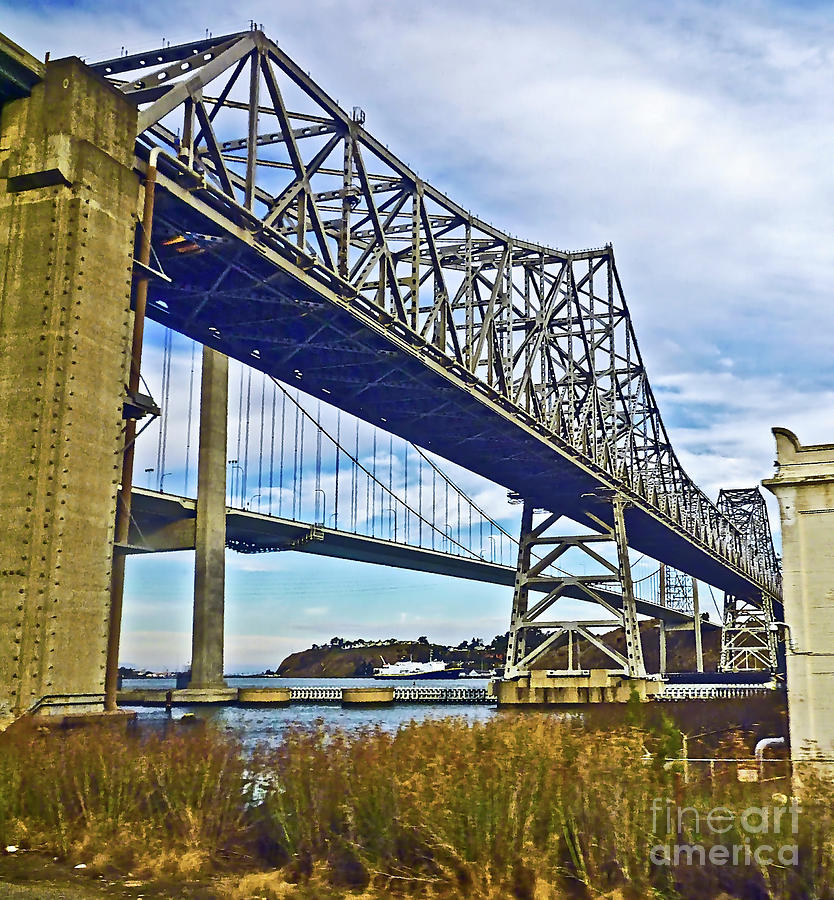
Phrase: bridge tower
[539,549]
[68,204]
[210,544]
[748,640]
[804,486]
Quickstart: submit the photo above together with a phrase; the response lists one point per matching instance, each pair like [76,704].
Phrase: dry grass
[169,805]
[519,806]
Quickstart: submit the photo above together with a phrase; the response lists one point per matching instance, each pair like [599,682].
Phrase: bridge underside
[257,307]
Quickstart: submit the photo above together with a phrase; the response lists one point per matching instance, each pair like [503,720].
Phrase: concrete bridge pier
[68,205]
[210,555]
[804,486]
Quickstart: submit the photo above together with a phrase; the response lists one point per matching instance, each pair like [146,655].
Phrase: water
[257,725]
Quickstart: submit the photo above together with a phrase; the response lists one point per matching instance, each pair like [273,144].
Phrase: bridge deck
[19,70]
[163,522]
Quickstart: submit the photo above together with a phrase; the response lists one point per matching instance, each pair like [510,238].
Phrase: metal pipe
[789,642]
[117,575]
[760,748]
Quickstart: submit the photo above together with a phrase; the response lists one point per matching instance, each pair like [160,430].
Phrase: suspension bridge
[214,188]
[351,492]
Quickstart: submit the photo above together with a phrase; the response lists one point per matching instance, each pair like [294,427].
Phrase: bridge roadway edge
[68,202]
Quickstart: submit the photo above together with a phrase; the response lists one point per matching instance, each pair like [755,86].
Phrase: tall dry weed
[122,799]
[520,806]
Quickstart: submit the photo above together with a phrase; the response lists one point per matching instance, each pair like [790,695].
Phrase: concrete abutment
[68,203]
[804,486]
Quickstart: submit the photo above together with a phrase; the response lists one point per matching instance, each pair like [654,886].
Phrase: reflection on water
[255,725]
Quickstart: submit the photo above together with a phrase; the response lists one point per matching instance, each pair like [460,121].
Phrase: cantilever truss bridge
[288,237]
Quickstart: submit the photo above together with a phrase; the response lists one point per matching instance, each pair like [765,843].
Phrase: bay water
[267,724]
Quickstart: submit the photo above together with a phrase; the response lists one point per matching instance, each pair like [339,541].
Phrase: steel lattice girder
[748,639]
[299,244]
[746,510]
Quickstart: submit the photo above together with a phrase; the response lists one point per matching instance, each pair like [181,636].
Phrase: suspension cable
[271,448]
[300,409]
[162,447]
[472,503]
[244,478]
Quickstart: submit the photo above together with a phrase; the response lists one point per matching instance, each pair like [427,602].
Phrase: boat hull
[441,675]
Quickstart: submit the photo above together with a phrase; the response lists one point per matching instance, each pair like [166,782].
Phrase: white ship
[408,669]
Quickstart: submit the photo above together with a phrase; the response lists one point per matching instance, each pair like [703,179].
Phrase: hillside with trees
[342,658]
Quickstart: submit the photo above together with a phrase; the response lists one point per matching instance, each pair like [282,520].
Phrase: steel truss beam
[538,571]
[748,638]
[257,148]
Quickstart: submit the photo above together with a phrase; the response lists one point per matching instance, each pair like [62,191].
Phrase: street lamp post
[233,463]
[320,521]
[491,538]
[393,510]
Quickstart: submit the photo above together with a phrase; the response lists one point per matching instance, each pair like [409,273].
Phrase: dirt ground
[29,876]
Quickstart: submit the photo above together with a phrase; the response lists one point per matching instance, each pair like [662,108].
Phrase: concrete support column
[68,205]
[804,486]
[210,557]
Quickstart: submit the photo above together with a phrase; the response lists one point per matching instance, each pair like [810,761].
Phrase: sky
[694,136]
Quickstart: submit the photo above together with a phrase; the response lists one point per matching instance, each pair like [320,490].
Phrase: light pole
[233,463]
[393,510]
[491,538]
[252,500]
[317,491]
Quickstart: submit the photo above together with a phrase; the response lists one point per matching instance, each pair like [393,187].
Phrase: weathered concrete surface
[355,696]
[68,202]
[537,688]
[804,486]
[205,695]
[210,555]
[271,696]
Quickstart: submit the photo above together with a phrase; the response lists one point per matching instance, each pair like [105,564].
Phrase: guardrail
[402,694]
[316,694]
[711,691]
